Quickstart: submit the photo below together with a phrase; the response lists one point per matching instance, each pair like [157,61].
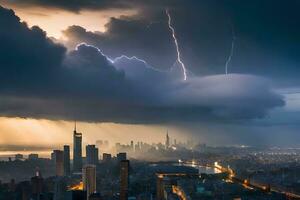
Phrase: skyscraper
[92,156]
[167,141]
[37,185]
[77,150]
[124,179]
[89,179]
[59,162]
[67,170]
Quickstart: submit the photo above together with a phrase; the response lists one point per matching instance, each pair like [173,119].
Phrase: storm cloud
[266,43]
[40,79]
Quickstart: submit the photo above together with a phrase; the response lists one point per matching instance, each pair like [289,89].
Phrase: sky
[118,68]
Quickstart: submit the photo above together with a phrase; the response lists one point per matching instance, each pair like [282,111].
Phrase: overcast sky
[115,62]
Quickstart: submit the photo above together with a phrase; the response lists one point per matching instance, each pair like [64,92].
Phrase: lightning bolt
[177,46]
[134,58]
[231,51]
[116,59]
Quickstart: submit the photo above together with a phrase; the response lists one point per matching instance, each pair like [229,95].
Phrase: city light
[78,186]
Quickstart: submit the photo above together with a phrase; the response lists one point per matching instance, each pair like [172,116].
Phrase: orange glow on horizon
[50,133]
[55,20]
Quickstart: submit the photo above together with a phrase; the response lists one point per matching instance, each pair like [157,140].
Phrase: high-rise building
[124,179]
[159,187]
[58,157]
[106,157]
[60,188]
[121,156]
[89,179]
[77,150]
[92,156]
[167,143]
[37,185]
[67,169]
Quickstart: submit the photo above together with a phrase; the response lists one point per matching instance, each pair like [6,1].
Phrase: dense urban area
[171,170]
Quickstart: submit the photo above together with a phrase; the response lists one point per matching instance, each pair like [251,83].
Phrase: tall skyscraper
[124,179]
[89,179]
[167,141]
[67,169]
[37,185]
[92,156]
[59,162]
[77,150]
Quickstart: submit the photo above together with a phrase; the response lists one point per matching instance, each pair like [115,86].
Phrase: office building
[37,185]
[92,156]
[121,156]
[159,187]
[67,168]
[124,179]
[89,179]
[19,156]
[106,157]
[33,156]
[58,157]
[77,151]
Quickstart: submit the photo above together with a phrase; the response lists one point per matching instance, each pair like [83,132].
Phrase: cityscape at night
[149,100]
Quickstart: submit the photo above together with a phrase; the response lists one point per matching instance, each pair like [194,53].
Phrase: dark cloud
[26,54]
[73,5]
[266,43]
[32,64]
[131,37]
[40,79]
